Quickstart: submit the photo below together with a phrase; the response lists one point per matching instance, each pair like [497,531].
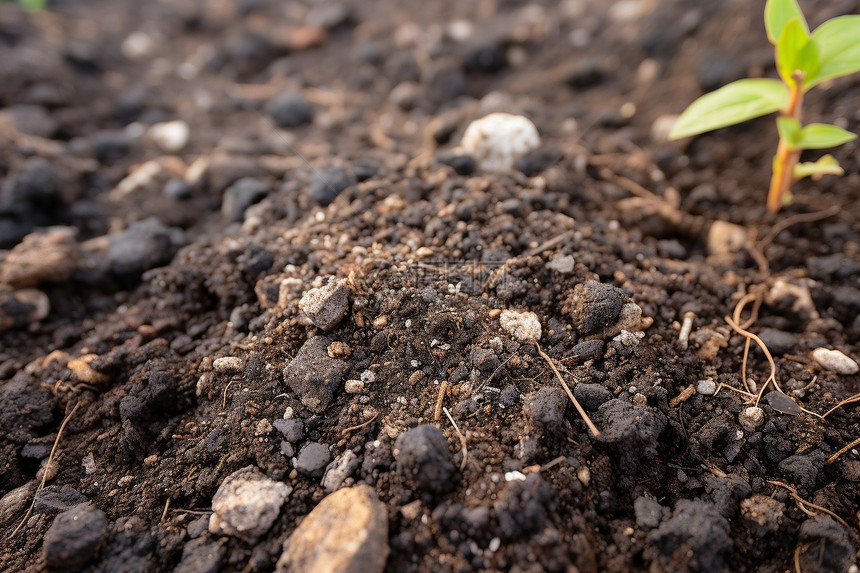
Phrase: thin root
[462,439]
[363,424]
[802,501]
[835,456]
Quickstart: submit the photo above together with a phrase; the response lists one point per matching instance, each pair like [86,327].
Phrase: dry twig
[462,439]
[45,472]
[564,385]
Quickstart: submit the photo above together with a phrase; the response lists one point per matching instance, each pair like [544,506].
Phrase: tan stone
[346,533]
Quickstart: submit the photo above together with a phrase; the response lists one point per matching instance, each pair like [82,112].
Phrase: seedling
[803,60]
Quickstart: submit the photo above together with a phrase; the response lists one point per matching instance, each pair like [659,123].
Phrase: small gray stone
[55,499]
[326,306]
[144,245]
[200,556]
[241,195]
[327,184]
[484,359]
[313,459]
[290,110]
[292,429]
[340,469]
[75,537]
[314,375]
[247,504]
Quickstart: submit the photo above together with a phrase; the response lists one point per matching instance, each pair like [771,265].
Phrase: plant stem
[786,155]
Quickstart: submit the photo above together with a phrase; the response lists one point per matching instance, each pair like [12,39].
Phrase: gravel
[313,459]
[247,504]
[75,537]
[290,110]
[313,375]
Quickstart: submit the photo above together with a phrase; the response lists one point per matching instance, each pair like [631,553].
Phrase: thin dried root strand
[462,439]
[851,400]
[564,385]
[835,456]
[800,500]
[358,427]
[763,346]
[749,395]
[45,473]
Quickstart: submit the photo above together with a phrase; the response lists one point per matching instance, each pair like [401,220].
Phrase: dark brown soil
[161,279]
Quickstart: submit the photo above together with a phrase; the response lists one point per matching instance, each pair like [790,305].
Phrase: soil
[168,310]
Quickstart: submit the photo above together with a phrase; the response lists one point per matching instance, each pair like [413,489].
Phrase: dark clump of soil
[239,239]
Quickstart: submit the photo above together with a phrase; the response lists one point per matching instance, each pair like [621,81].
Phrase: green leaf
[838,44]
[795,52]
[733,103]
[822,136]
[789,129]
[778,13]
[32,5]
[826,165]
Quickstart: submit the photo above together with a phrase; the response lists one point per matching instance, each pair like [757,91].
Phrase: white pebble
[514,476]
[170,136]
[835,361]
[524,326]
[227,364]
[751,418]
[498,140]
[706,387]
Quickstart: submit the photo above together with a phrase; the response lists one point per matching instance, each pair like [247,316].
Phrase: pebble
[522,325]
[314,375]
[662,127]
[346,533]
[177,189]
[488,57]
[170,136]
[290,110]
[144,245]
[247,504]
[498,140]
[54,499]
[200,556]
[751,418]
[326,185]
[423,458]
[228,364]
[835,361]
[291,429]
[338,470]
[241,195]
[354,387]
[313,459]
[726,238]
[562,264]
[81,368]
[15,501]
[777,341]
[22,307]
[49,257]
[327,305]
[75,537]
[706,387]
